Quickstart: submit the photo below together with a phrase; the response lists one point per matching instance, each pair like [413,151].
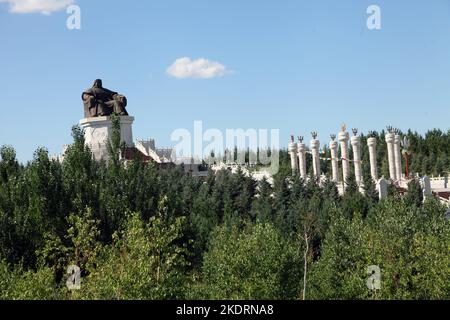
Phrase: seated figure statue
[99,101]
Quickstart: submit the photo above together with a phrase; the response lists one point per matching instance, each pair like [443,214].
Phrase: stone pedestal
[97,133]
[426,187]
[382,186]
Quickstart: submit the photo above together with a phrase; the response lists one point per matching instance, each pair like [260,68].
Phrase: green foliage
[370,190]
[142,232]
[144,262]
[414,195]
[340,271]
[409,245]
[255,263]
[115,146]
[16,284]
[262,207]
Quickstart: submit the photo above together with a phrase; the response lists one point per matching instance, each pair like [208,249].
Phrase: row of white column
[298,156]
[355,141]
[393,141]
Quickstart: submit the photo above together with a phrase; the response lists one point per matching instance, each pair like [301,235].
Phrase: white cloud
[40,6]
[200,69]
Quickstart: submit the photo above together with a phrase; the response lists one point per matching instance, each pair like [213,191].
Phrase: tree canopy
[139,232]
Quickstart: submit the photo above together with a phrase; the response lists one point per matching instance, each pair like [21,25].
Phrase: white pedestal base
[97,133]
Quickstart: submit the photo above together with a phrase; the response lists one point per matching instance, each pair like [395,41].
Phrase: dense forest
[139,232]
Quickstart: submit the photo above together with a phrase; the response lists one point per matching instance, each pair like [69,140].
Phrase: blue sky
[293,65]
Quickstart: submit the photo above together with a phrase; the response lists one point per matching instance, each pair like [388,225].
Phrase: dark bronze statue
[99,101]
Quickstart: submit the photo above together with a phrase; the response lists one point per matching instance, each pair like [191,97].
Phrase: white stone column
[398,157]
[334,146]
[356,146]
[372,144]
[390,141]
[315,146]
[293,153]
[302,158]
[343,140]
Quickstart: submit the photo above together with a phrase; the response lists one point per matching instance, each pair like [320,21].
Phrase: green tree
[414,195]
[255,263]
[145,261]
[262,207]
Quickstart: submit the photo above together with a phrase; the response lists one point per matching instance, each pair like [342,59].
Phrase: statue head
[98,83]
